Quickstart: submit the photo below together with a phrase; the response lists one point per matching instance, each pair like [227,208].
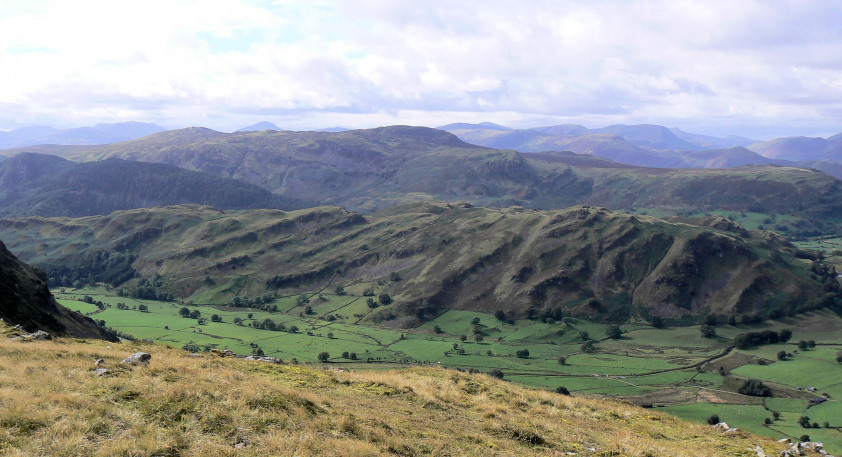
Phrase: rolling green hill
[26,301]
[43,185]
[585,261]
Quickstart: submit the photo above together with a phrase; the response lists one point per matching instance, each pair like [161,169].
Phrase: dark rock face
[26,300]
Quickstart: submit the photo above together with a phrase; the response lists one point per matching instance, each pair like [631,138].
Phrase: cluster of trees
[113,268]
[269,324]
[263,303]
[752,339]
[755,388]
[546,315]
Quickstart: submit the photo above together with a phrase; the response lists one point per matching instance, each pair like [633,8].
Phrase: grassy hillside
[26,301]
[207,405]
[587,262]
[43,185]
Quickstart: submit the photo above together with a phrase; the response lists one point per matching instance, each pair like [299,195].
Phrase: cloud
[751,65]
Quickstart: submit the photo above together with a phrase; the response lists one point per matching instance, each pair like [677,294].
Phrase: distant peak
[259,127]
[480,126]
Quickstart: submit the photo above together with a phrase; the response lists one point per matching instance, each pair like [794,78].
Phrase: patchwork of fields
[674,369]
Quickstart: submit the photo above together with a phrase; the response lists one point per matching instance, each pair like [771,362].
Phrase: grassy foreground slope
[588,262]
[54,404]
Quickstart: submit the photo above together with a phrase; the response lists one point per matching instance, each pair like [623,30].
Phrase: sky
[760,69]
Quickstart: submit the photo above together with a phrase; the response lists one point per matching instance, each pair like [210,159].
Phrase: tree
[804,421]
[500,315]
[802,345]
[293,329]
[714,419]
[804,438]
[613,331]
[475,321]
[708,331]
[345,355]
[308,310]
[562,360]
[195,314]
[496,373]
[437,329]
[562,390]
[371,303]
[257,352]
[478,338]
[781,355]
[339,290]
[732,320]
[384,299]
[588,346]
[238,321]
[143,308]
[583,335]
[811,344]
[785,335]
[463,337]
[353,356]
[522,353]
[324,356]
[657,322]
[184,311]
[216,318]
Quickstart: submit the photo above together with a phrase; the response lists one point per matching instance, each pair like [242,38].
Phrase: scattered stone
[760,452]
[785,440]
[38,335]
[722,426]
[99,362]
[731,431]
[195,355]
[263,359]
[101,372]
[240,445]
[136,358]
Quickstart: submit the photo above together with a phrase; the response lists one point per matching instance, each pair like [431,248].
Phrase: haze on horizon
[753,68]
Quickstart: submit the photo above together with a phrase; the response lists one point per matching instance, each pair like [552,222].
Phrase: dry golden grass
[51,403]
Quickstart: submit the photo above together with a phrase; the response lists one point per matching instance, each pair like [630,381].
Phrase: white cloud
[745,67]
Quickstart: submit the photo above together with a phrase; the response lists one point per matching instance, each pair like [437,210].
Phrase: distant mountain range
[98,134]
[802,148]
[44,185]
[658,146]
[367,170]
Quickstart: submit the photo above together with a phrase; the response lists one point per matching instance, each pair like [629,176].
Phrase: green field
[674,369]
